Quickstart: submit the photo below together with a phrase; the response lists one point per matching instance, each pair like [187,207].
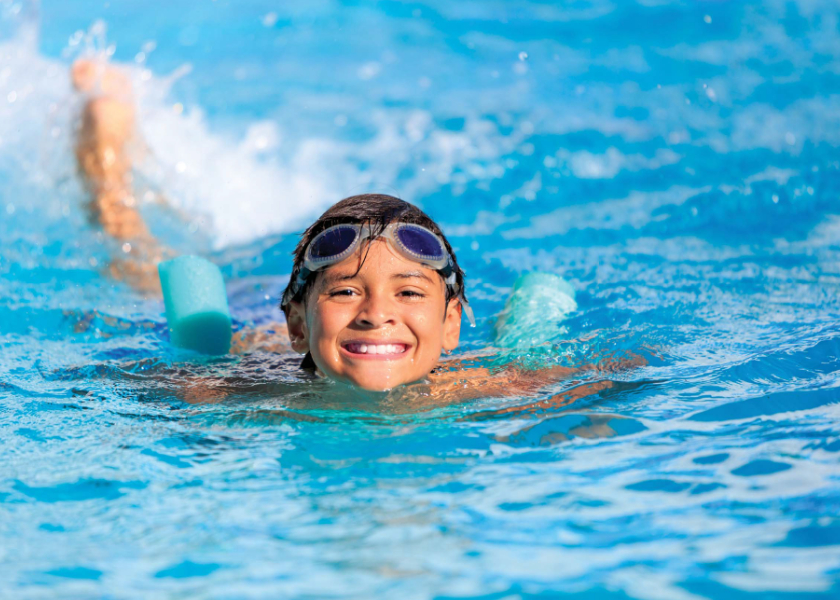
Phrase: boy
[375,295]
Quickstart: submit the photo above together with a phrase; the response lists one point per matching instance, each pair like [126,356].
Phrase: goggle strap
[298,285]
[467,310]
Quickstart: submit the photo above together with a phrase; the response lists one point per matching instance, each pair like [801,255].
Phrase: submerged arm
[479,382]
[272,338]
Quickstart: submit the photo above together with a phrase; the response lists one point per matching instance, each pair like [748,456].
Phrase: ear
[452,324]
[298,332]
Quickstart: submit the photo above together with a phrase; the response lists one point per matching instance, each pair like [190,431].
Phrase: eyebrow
[412,275]
[331,278]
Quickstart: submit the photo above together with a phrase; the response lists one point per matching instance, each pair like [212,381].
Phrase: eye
[411,294]
[342,293]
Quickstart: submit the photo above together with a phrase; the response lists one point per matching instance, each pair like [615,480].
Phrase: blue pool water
[677,162]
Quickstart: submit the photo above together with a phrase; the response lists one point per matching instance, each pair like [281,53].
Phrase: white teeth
[377,349]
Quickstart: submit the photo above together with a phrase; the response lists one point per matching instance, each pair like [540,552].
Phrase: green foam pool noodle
[196,304]
[534,312]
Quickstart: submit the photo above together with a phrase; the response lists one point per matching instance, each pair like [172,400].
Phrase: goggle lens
[332,243]
[420,242]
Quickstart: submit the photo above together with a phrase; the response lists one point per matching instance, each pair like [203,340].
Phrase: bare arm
[271,337]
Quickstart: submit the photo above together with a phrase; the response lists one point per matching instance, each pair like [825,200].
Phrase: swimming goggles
[414,242]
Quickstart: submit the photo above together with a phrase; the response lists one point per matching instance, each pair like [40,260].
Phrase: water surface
[676,162]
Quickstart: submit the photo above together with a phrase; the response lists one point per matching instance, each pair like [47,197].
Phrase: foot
[95,76]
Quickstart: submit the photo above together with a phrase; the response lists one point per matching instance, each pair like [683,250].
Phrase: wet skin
[379,326]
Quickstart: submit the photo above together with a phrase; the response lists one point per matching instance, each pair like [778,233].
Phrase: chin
[378,381]
[375,375]
[373,384]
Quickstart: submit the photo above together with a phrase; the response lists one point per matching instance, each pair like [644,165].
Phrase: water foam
[237,188]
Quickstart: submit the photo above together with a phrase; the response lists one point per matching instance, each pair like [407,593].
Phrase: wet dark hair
[377,211]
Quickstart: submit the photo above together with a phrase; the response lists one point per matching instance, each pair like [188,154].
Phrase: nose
[375,311]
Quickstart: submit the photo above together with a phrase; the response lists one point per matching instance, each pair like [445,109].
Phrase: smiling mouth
[368,349]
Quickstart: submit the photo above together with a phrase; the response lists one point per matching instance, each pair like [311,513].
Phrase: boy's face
[377,328]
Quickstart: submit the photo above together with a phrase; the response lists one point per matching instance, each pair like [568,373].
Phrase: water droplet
[523,56]
[270,19]
[369,70]
[708,19]
[790,138]
[126,247]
